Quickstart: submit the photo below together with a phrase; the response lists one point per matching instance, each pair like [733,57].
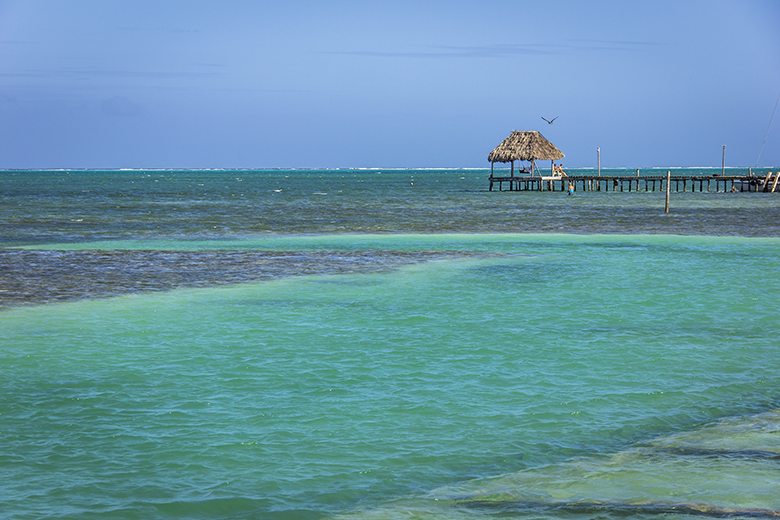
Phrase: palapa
[525,146]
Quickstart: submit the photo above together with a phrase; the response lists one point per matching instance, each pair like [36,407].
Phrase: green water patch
[401,241]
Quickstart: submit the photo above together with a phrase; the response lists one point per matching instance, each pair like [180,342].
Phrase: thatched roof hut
[524,146]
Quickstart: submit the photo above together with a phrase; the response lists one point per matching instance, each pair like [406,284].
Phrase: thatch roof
[525,146]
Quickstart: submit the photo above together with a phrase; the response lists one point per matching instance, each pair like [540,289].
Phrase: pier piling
[631,183]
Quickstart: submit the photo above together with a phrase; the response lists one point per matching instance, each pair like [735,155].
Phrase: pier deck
[702,183]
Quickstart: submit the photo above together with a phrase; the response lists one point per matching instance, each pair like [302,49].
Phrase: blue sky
[337,84]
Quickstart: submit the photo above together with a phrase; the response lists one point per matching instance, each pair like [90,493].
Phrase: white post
[723,168]
[598,153]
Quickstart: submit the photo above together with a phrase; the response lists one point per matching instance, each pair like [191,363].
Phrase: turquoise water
[560,375]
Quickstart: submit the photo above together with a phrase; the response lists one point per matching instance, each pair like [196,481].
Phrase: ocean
[383,344]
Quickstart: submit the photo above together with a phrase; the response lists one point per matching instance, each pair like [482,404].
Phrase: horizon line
[375,168]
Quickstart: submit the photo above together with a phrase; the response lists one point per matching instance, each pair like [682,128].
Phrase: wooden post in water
[668,184]
[723,168]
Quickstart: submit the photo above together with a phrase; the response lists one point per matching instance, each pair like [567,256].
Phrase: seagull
[550,121]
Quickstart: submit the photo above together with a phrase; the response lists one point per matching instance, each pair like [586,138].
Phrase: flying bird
[550,121]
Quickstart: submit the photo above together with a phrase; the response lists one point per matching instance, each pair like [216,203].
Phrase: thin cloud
[622,45]
[107,73]
[474,51]
[160,30]
[141,74]
[505,50]
[502,50]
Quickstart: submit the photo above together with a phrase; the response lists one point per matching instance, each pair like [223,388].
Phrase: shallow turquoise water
[603,359]
[397,394]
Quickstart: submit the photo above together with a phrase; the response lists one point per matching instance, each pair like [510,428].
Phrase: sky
[386,84]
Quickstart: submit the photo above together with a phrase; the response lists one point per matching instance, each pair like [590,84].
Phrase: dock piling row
[700,183]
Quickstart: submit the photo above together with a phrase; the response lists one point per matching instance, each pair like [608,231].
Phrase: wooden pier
[700,183]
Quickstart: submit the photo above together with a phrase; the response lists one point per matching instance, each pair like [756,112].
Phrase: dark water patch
[615,509]
[36,277]
[727,453]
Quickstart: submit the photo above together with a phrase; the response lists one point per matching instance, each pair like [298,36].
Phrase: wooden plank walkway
[701,183]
